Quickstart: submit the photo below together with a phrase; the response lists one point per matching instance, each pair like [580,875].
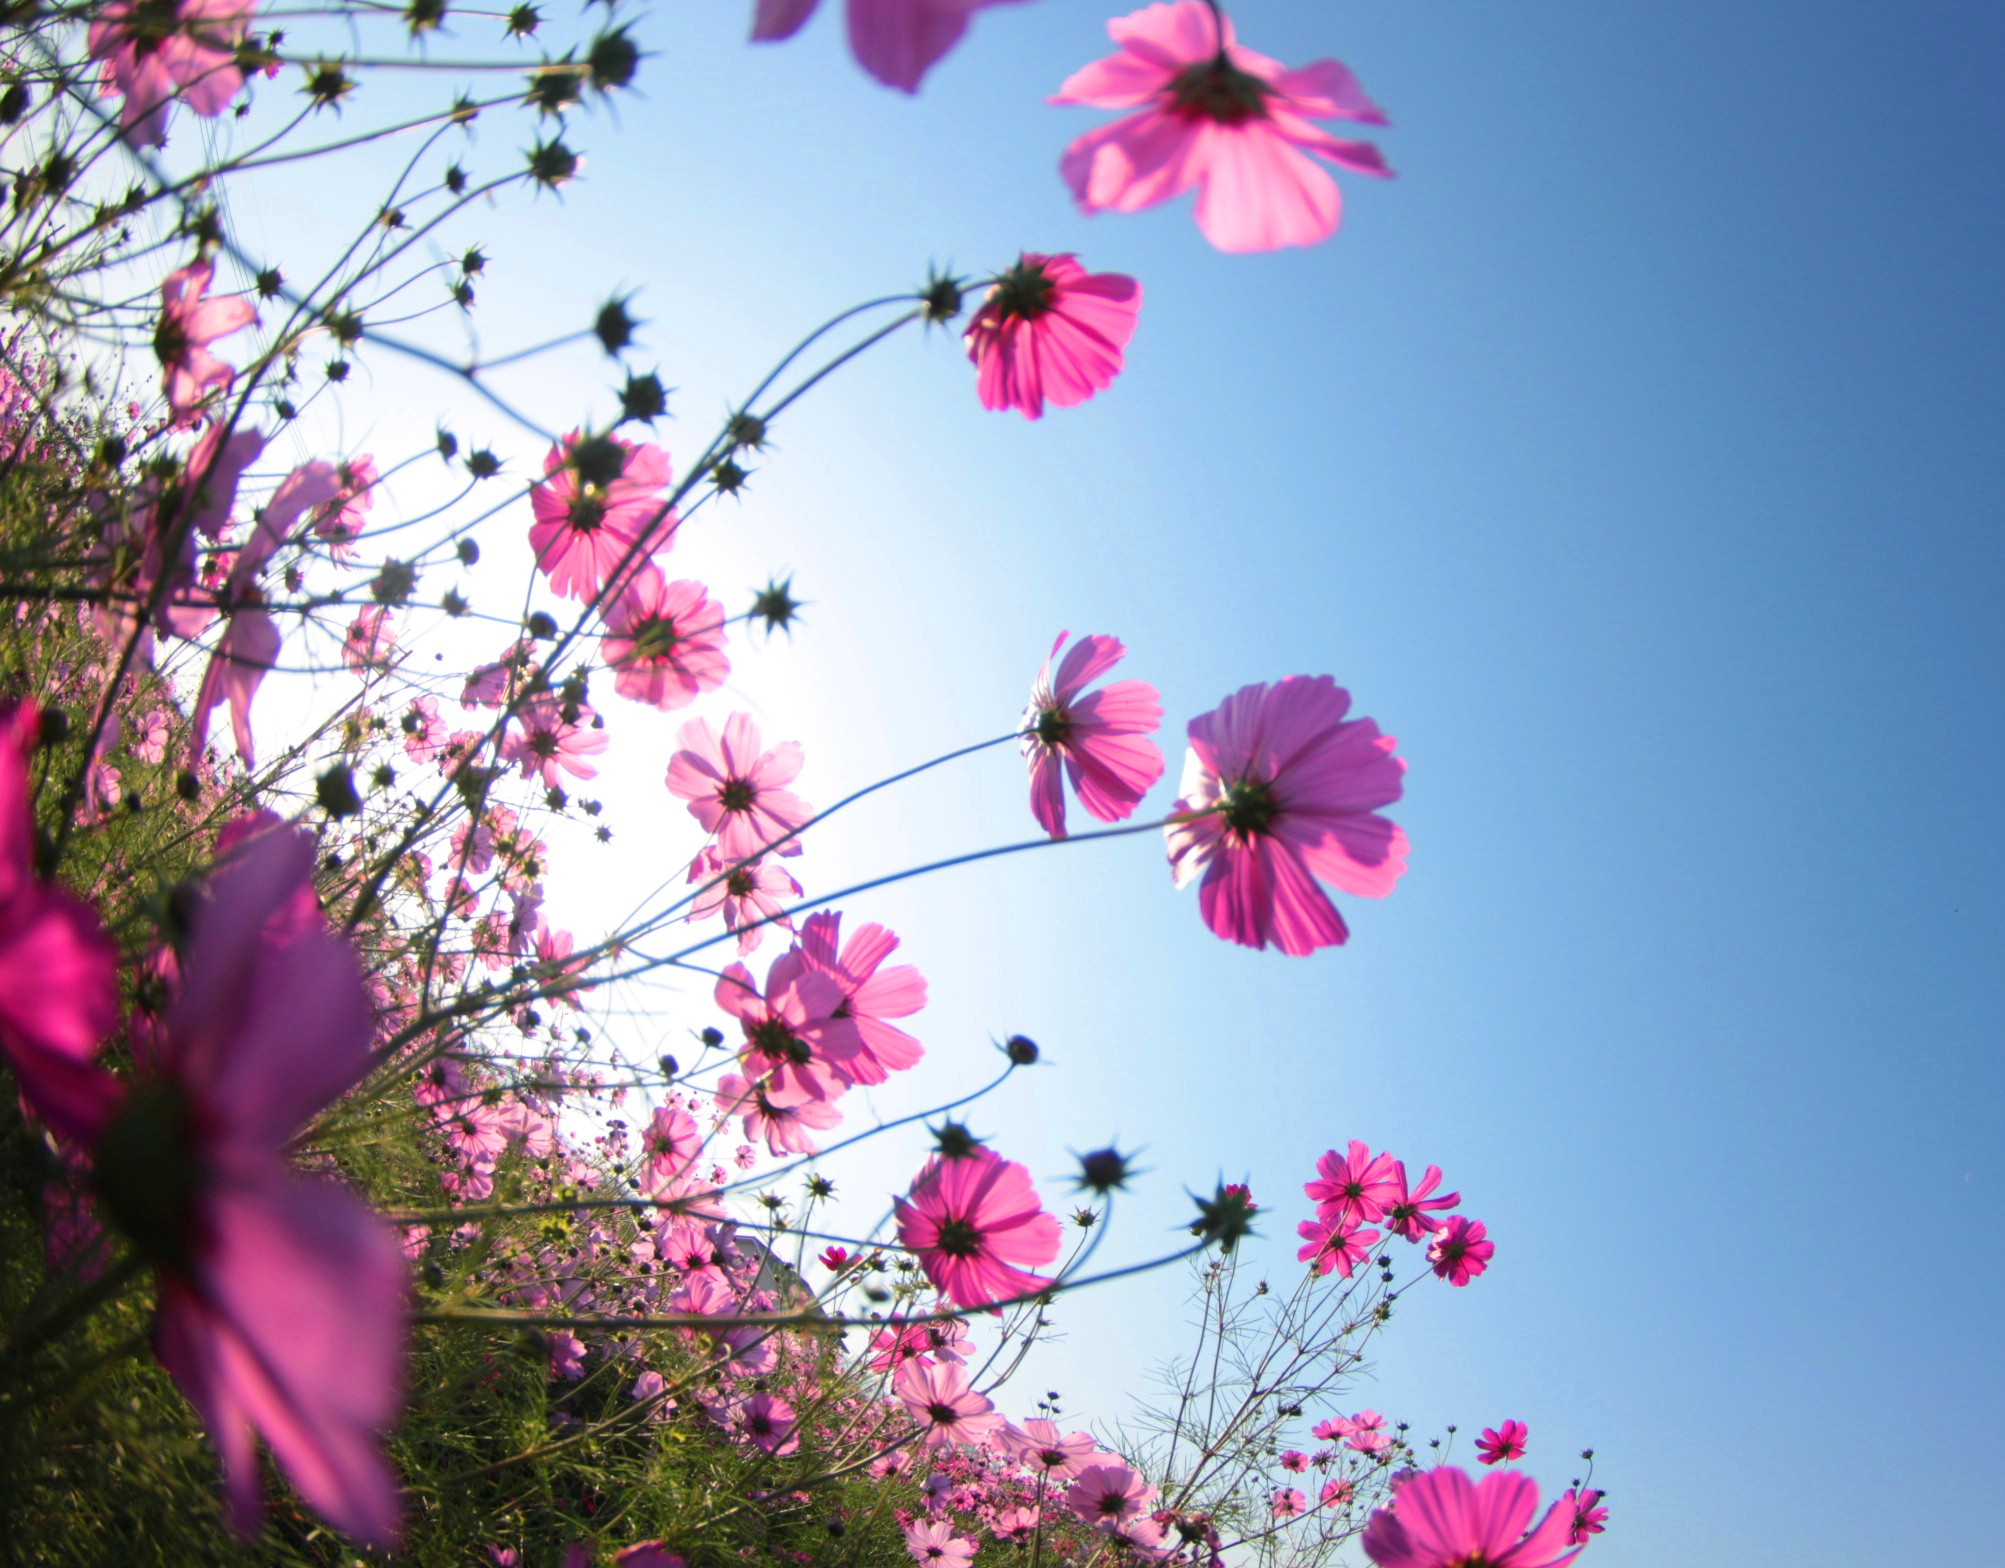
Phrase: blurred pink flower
[601,503]
[787,1126]
[1051,331]
[1459,1250]
[734,788]
[1107,1494]
[664,642]
[1098,737]
[871,994]
[189,323]
[340,520]
[1445,1520]
[1500,1443]
[896,41]
[1280,790]
[1289,1502]
[281,1298]
[1355,1185]
[371,642]
[970,1221]
[244,654]
[671,1143]
[156,52]
[1209,113]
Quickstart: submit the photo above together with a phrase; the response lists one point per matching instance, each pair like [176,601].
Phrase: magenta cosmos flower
[871,994]
[1460,1250]
[189,374]
[1280,789]
[1589,1517]
[970,1221]
[156,52]
[281,1298]
[1500,1443]
[664,642]
[1051,331]
[1334,1243]
[795,1034]
[547,734]
[896,41]
[58,965]
[1235,124]
[1097,739]
[600,508]
[1410,1212]
[1354,1185]
[1444,1520]
[734,788]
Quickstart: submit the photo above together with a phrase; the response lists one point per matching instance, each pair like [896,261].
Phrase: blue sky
[1634,457]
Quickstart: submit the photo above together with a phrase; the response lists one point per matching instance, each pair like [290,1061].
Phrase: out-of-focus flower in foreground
[896,41]
[1443,1519]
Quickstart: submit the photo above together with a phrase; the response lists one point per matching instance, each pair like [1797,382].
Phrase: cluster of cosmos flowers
[178,1076]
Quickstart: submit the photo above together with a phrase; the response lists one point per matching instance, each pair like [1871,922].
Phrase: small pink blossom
[751,895]
[1336,1494]
[1366,1432]
[1355,1185]
[1098,739]
[189,323]
[548,733]
[671,1143]
[970,1221]
[768,1423]
[159,52]
[1460,1250]
[664,642]
[1211,114]
[735,788]
[601,509]
[150,743]
[1445,1520]
[1334,1244]
[1108,1494]
[371,642]
[1289,1503]
[1278,790]
[896,41]
[1589,1517]
[1050,331]
[871,993]
[341,520]
[1501,1443]
[939,1398]
[786,1126]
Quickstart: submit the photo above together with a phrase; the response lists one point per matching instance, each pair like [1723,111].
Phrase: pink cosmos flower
[870,994]
[1500,1443]
[671,1144]
[1445,1520]
[896,41]
[1334,1244]
[281,1298]
[793,1036]
[244,655]
[752,895]
[1097,737]
[58,965]
[1589,1517]
[970,1221]
[1038,1446]
[1294,1461]
[1281,790]
[933,1542]
[158,51]
[787,1126]
[1289,1503]
[342,519]
[1356,1185]
[1459,1250]
[664,642]
[601,503]
[1208,113]
[150,743]
[1410,1211]
[1051,331]
[948,1410]
[1366,1432]
[1336,1494]
[371,642]
[1108,1494]
[939,1339]
[190,374]
[767,1422]
[547,733]
[734,789]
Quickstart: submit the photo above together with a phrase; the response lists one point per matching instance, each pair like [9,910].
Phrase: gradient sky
[1635,458]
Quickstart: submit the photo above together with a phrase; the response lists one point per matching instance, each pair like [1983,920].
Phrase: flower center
[1248,806]
[1218,90]
[958,1238]
[943,1415]
[775,1038]
[587,512]
[1051,726]
[655,639]
[1024,292]
[737,795]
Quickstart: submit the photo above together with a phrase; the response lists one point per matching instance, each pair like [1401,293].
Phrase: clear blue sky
[1635,458]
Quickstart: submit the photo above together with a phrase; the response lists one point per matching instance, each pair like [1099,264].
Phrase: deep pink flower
[281,1298]
[1410,1211]
[970,1221]
[1051,331]
[940,1339]
[601,503]
[664,642]
[548,733]
[156,52]
[1444,1520]
[1459,1250]
[767,1422]
[58,965]
[752,895]
[896,41]
[933,1542]
[871,994]
[1589,1517]
[1294,1461]
[189,323]
[1334,1243]
[1108,1494]
[1282,790]
[1098,737]
[938,1396]
[734,789]
[1235,124]
[794,1035]
[1503,1442]
[1355,1185]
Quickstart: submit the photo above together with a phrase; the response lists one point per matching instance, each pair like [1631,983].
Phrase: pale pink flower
[896,41]
[1355,1185]
[1445,1520]
[671,1143]
[933,1542]
[601,508]
[1108,1494]
[491,685]
[1050,331]
[1095,738]
[189,323]
[1289,1503]
[1410,1211]
[870,994]
[424,730]
[1334,1243]
[751,895]
[58,965]
[1038,1446]
[735,789]
[158,52]
[244,654]
[307,486]
[1460,1250]
[341,520]
[938,1396]
[940,1339]
[1209,113]
[281,1298]
[150,743]
[371,642]
[793,1036]
[548,733]
[1279,789]
[1366,1432]
[1501,1443]
[1336,1494]
[970,1221]
[767,1422]
[664,642]
[787,1127]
